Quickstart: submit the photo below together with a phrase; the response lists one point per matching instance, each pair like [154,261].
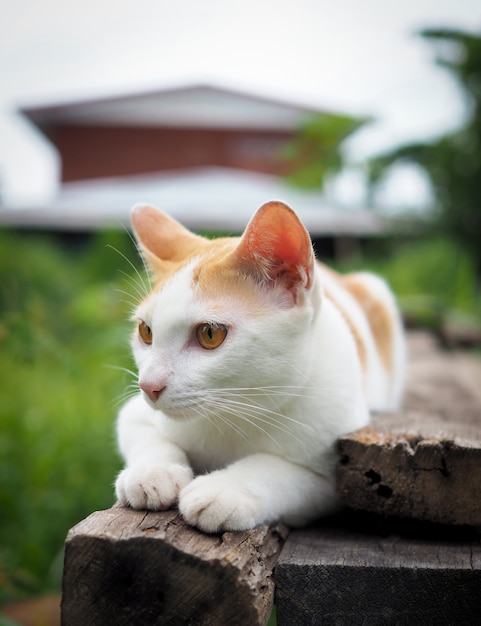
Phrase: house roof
[216,199]
[206,198]
[188,106]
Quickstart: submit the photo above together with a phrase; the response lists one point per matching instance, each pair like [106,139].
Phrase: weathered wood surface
[129,568]
[353,571]
[425,462]
[126,567]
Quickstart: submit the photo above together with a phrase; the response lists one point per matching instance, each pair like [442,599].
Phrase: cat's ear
[160,237]
[277,248]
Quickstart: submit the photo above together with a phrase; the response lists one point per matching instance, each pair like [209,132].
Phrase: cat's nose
[152,390]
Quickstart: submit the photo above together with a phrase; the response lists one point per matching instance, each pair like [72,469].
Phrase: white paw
[212,504]
[155,488]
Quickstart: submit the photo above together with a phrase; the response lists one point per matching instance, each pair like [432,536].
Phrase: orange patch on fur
[377,315]
[361,347]
[219,274]
[207,251]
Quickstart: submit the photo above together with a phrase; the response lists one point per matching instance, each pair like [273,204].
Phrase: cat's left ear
[277,248]
[161,238]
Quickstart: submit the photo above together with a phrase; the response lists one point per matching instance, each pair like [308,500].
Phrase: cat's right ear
[160,237]
[276,249]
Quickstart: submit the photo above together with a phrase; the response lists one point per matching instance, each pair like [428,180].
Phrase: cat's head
[228,313]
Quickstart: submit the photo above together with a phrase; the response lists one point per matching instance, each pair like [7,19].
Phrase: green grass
[62,324]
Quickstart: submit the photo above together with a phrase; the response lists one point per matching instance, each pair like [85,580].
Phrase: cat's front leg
[156,469]
[257,489]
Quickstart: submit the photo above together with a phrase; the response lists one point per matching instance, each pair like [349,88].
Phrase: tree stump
[129,568]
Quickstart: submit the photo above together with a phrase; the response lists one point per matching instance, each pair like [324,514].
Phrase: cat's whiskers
[130,390]
[126,370]
[143,286]
[244,415]
[235,402]
[275,390]
[145,265]
[266,415]
[139,287]
[216,408]
[235,427]
[293,368]
[203,411]
[124,396]
[238,402]
[270,393]
[130,301]
[134,284]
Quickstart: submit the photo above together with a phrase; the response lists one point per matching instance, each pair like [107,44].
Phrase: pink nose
[152,390]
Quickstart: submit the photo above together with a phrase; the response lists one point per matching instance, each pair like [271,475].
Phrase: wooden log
[414,465]
[129,568]
[425,462]
[332,575]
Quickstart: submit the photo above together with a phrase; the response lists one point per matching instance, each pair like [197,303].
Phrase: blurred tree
[315,153]
[453,161]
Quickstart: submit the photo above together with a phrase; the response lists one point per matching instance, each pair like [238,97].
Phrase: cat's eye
[145,332]
[211,336]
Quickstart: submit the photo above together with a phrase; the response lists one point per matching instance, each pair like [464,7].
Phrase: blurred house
[207,155]
[172,129]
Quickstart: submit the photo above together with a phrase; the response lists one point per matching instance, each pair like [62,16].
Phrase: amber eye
[211,336]
[145,332]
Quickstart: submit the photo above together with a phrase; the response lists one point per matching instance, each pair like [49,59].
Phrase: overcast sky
[359,56]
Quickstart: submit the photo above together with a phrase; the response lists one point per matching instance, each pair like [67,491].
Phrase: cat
[253,358]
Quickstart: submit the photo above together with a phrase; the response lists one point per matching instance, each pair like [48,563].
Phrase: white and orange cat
[252,360]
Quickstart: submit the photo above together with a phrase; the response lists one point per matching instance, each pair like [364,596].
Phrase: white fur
[257,419]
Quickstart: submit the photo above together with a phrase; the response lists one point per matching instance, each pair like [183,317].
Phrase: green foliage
[316,151]
[62,325]
[272,618]
[452,162]
[434,279]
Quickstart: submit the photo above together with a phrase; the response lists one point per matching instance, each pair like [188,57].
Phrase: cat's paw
[212,504]
[154,488]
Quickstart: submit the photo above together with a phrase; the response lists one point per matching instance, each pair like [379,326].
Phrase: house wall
[102,151]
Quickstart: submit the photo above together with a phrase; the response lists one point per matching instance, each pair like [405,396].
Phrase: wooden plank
[413,465]
[440,380]
[129,568]
[425,462]
[358,572]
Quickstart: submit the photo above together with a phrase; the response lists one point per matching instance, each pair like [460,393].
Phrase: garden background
[65,363]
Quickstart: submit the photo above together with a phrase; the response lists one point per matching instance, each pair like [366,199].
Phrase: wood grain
[129,568]
[132,568]
[424,462]
[361,573]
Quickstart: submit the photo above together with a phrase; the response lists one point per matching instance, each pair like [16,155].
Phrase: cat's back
[369,309]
